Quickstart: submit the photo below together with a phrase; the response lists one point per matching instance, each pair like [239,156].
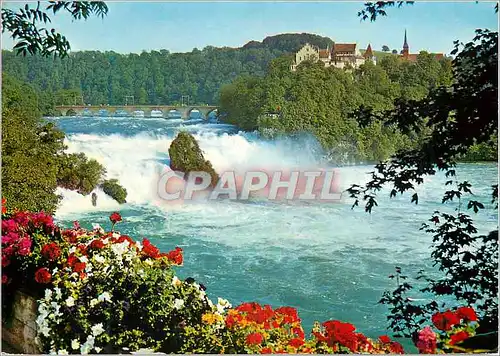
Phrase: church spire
[406,48]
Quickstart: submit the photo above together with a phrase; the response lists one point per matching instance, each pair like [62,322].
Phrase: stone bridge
[135,110]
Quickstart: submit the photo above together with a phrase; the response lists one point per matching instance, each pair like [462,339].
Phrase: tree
[458,117]
[394,51]
[24,25]
[385,48]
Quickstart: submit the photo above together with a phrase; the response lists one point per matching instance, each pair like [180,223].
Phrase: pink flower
[9,225]
[426,342]
[76,225]
[10,238]
[24,246]
[43,220]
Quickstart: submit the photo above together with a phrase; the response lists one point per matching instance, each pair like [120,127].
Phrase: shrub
[112,188]
[186,156]
[77,172]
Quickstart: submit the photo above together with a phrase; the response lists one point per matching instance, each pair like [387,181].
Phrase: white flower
[72,249]
[97,329]
[62,352]
[99,259]
[141,273]
[48,294]
[75,344]
[104,296]
[44,330]
[58,292]
[84,259]
[97,349]
[222,304]
[116,235]
[120,249]
[176,281]
[70,301]
[178,304]
[93,302]
[149,262]
[98,228]
[138,245]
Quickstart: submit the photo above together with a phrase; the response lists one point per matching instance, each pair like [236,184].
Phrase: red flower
[125,238]
[266,350]
[150,249]
[97,244]
[175,256]
[43,276]
[5,279]
[51,251]
[4,202]
[72,259]
[319,336]
[79,267]
[445,321]
[290,314]
[70,235]
[458,337]
[385,339]
[248,307]
[255,339]
[83,249]
[299,332]
[396,348]
[115,217]
[466,314]
[296,342]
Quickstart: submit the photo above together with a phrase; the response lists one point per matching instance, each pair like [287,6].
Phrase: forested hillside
[156,77]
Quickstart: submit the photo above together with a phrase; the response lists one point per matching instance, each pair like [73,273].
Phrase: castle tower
[368,53]
[406,48]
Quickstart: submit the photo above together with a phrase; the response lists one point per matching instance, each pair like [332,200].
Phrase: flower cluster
[341,337]
[453,328]
[104,292]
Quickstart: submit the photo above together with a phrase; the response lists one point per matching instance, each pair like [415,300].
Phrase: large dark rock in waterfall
[186,156]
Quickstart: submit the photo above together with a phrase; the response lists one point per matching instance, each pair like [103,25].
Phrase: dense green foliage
[157,77]
[24,25]
[29,171]
[34,163]
[77,172]
[186,156]
[319,100]
[112,188]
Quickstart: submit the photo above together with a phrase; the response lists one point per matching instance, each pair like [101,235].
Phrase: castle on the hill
[341,55]
[345,55]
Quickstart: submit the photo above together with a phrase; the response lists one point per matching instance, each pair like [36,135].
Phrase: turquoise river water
[327,260]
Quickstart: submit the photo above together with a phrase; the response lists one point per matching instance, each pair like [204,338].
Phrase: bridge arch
[71,112]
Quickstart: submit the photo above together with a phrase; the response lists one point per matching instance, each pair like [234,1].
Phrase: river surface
[328,261]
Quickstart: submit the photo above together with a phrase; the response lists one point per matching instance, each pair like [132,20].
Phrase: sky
[135,26]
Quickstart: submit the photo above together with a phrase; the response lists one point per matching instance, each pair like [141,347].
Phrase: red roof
[323,53]
[344,47]
[368,53]
[412,57]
